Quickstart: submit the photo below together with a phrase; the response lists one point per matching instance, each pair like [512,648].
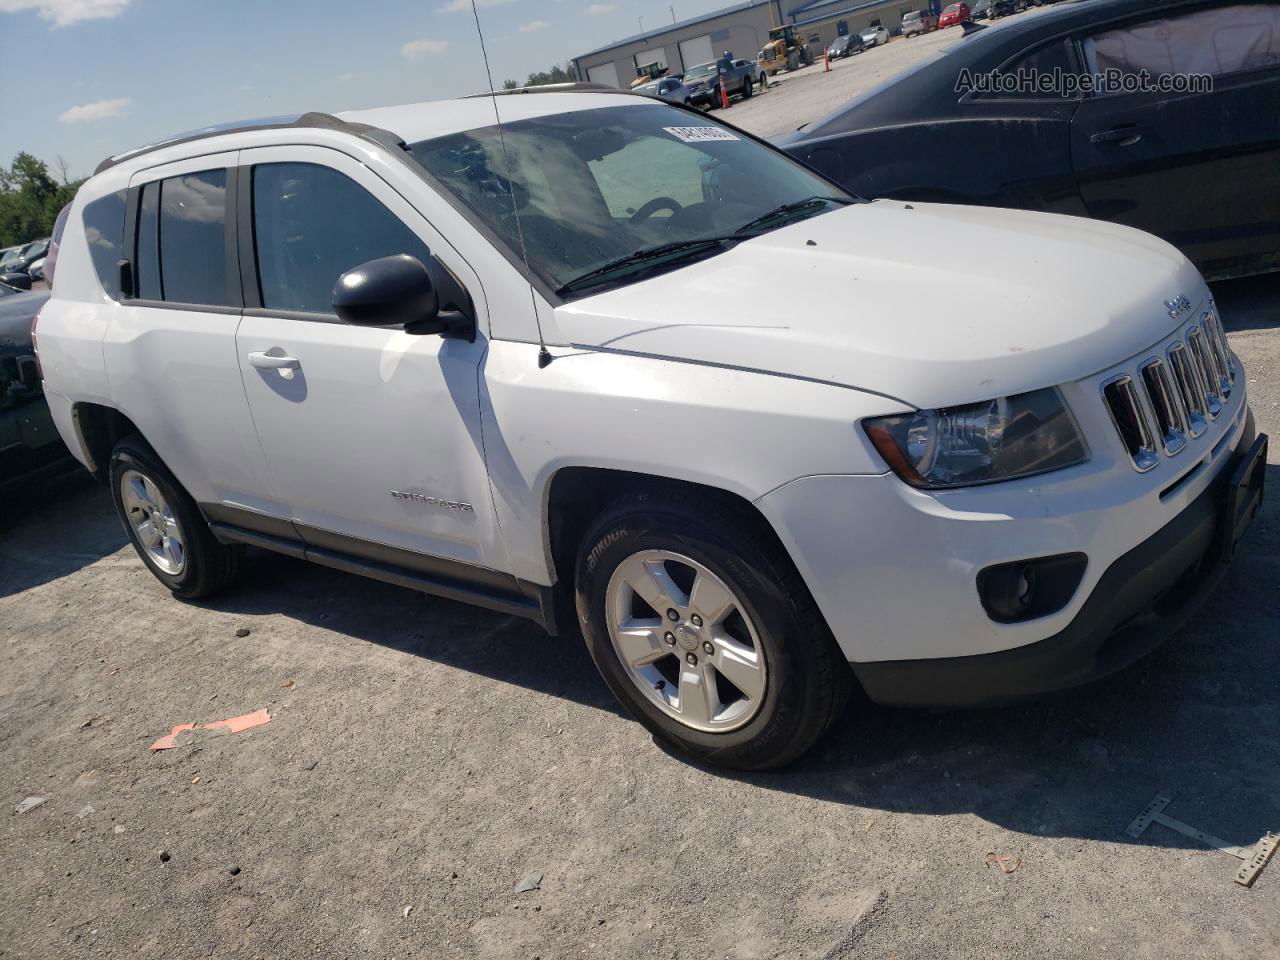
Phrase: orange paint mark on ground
[231,725]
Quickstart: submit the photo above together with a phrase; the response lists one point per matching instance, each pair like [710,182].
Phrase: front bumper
[1139,602]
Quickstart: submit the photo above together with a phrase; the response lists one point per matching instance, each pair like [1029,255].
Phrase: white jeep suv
[585,369]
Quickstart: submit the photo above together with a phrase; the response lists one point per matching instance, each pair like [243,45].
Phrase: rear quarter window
[103,221]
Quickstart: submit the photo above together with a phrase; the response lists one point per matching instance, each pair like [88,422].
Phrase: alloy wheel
[153,522]
[686,641]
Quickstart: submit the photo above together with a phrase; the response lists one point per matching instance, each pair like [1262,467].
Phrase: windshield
[702,70]
[595,186]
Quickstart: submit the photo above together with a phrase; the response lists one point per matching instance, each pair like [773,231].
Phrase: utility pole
[641,19]
[673,15]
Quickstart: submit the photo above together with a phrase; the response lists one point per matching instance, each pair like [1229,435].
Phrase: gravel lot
[427,755]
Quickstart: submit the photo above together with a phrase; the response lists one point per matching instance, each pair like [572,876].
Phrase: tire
[746,89]
[142,486]
[801,682]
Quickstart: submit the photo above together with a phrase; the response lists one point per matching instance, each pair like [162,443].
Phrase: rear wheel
[702,628]
[165,525]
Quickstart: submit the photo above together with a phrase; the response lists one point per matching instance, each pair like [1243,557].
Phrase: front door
[1199,169]
[372,435]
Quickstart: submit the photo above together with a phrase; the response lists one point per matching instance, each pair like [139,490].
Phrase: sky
[85,79]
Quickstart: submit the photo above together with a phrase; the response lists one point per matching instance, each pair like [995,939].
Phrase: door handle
[1120,136]
[267,361]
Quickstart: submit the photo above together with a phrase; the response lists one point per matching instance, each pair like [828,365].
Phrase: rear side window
[311,225]
[181,242]
[104,231]
[149,244]
[193,240]
[1214,42]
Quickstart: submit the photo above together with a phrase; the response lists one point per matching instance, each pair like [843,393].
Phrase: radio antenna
[544,355]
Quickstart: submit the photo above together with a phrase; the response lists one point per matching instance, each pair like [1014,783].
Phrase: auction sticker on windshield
[699,134]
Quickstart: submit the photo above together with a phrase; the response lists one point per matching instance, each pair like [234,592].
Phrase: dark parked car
[36,250]
[30,448]
[1006,8]
[845,46]
[1200,169]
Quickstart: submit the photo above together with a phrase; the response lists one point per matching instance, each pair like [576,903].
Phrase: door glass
[104,230]
[148,257]
[313,224]
[193,246]
[1215,42]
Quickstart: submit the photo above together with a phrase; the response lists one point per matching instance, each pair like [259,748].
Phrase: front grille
[1172,398]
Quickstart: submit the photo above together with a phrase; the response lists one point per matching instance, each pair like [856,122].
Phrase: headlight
[980,442]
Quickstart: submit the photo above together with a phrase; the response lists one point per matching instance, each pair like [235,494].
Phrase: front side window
[311,225]
[589,187]
[1214,42]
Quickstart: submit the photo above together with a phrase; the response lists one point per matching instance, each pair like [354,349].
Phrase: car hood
[931,304]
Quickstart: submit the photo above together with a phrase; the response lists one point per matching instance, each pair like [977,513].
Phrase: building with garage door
[741,30]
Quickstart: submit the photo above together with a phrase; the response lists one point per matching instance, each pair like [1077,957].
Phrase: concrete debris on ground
[231,725]
[532,881]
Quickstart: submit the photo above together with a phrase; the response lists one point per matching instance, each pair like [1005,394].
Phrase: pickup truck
[703,81]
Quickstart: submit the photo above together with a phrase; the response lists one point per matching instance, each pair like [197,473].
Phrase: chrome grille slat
[1184,373]
[1165,403]
[1222,350]
[1200,357]
[1130,420]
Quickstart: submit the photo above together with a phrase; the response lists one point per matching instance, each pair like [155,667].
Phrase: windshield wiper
[687,247]
[787,209]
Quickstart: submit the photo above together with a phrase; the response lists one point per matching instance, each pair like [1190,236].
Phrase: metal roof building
[741,29]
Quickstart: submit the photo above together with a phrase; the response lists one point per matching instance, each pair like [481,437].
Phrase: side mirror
[19,281]
[389,292]
[397,291]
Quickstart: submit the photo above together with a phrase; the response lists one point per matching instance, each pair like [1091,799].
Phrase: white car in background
[671,89]
[760,73]
[874,36]
[584,369]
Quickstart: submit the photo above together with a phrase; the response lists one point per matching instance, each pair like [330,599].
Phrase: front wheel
[746,89]
[702,628]
[165,525]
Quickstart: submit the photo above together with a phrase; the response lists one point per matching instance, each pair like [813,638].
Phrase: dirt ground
[423,758]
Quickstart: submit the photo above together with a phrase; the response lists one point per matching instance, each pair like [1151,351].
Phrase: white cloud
[63,13]
[596,9]
[533,26]
[98,110]
[458,6]
[344,77]
[420,48]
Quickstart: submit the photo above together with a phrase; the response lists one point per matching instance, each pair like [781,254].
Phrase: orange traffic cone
[724,95]
[826,62]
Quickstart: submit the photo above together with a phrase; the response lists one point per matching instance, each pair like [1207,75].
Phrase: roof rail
[550,88]
[314,121]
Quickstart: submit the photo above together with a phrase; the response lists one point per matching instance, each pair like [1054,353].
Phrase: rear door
[371,434]
[170,349]
[1200,169]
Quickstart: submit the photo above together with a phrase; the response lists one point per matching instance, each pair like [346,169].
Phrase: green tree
[30,199]
[557,74]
